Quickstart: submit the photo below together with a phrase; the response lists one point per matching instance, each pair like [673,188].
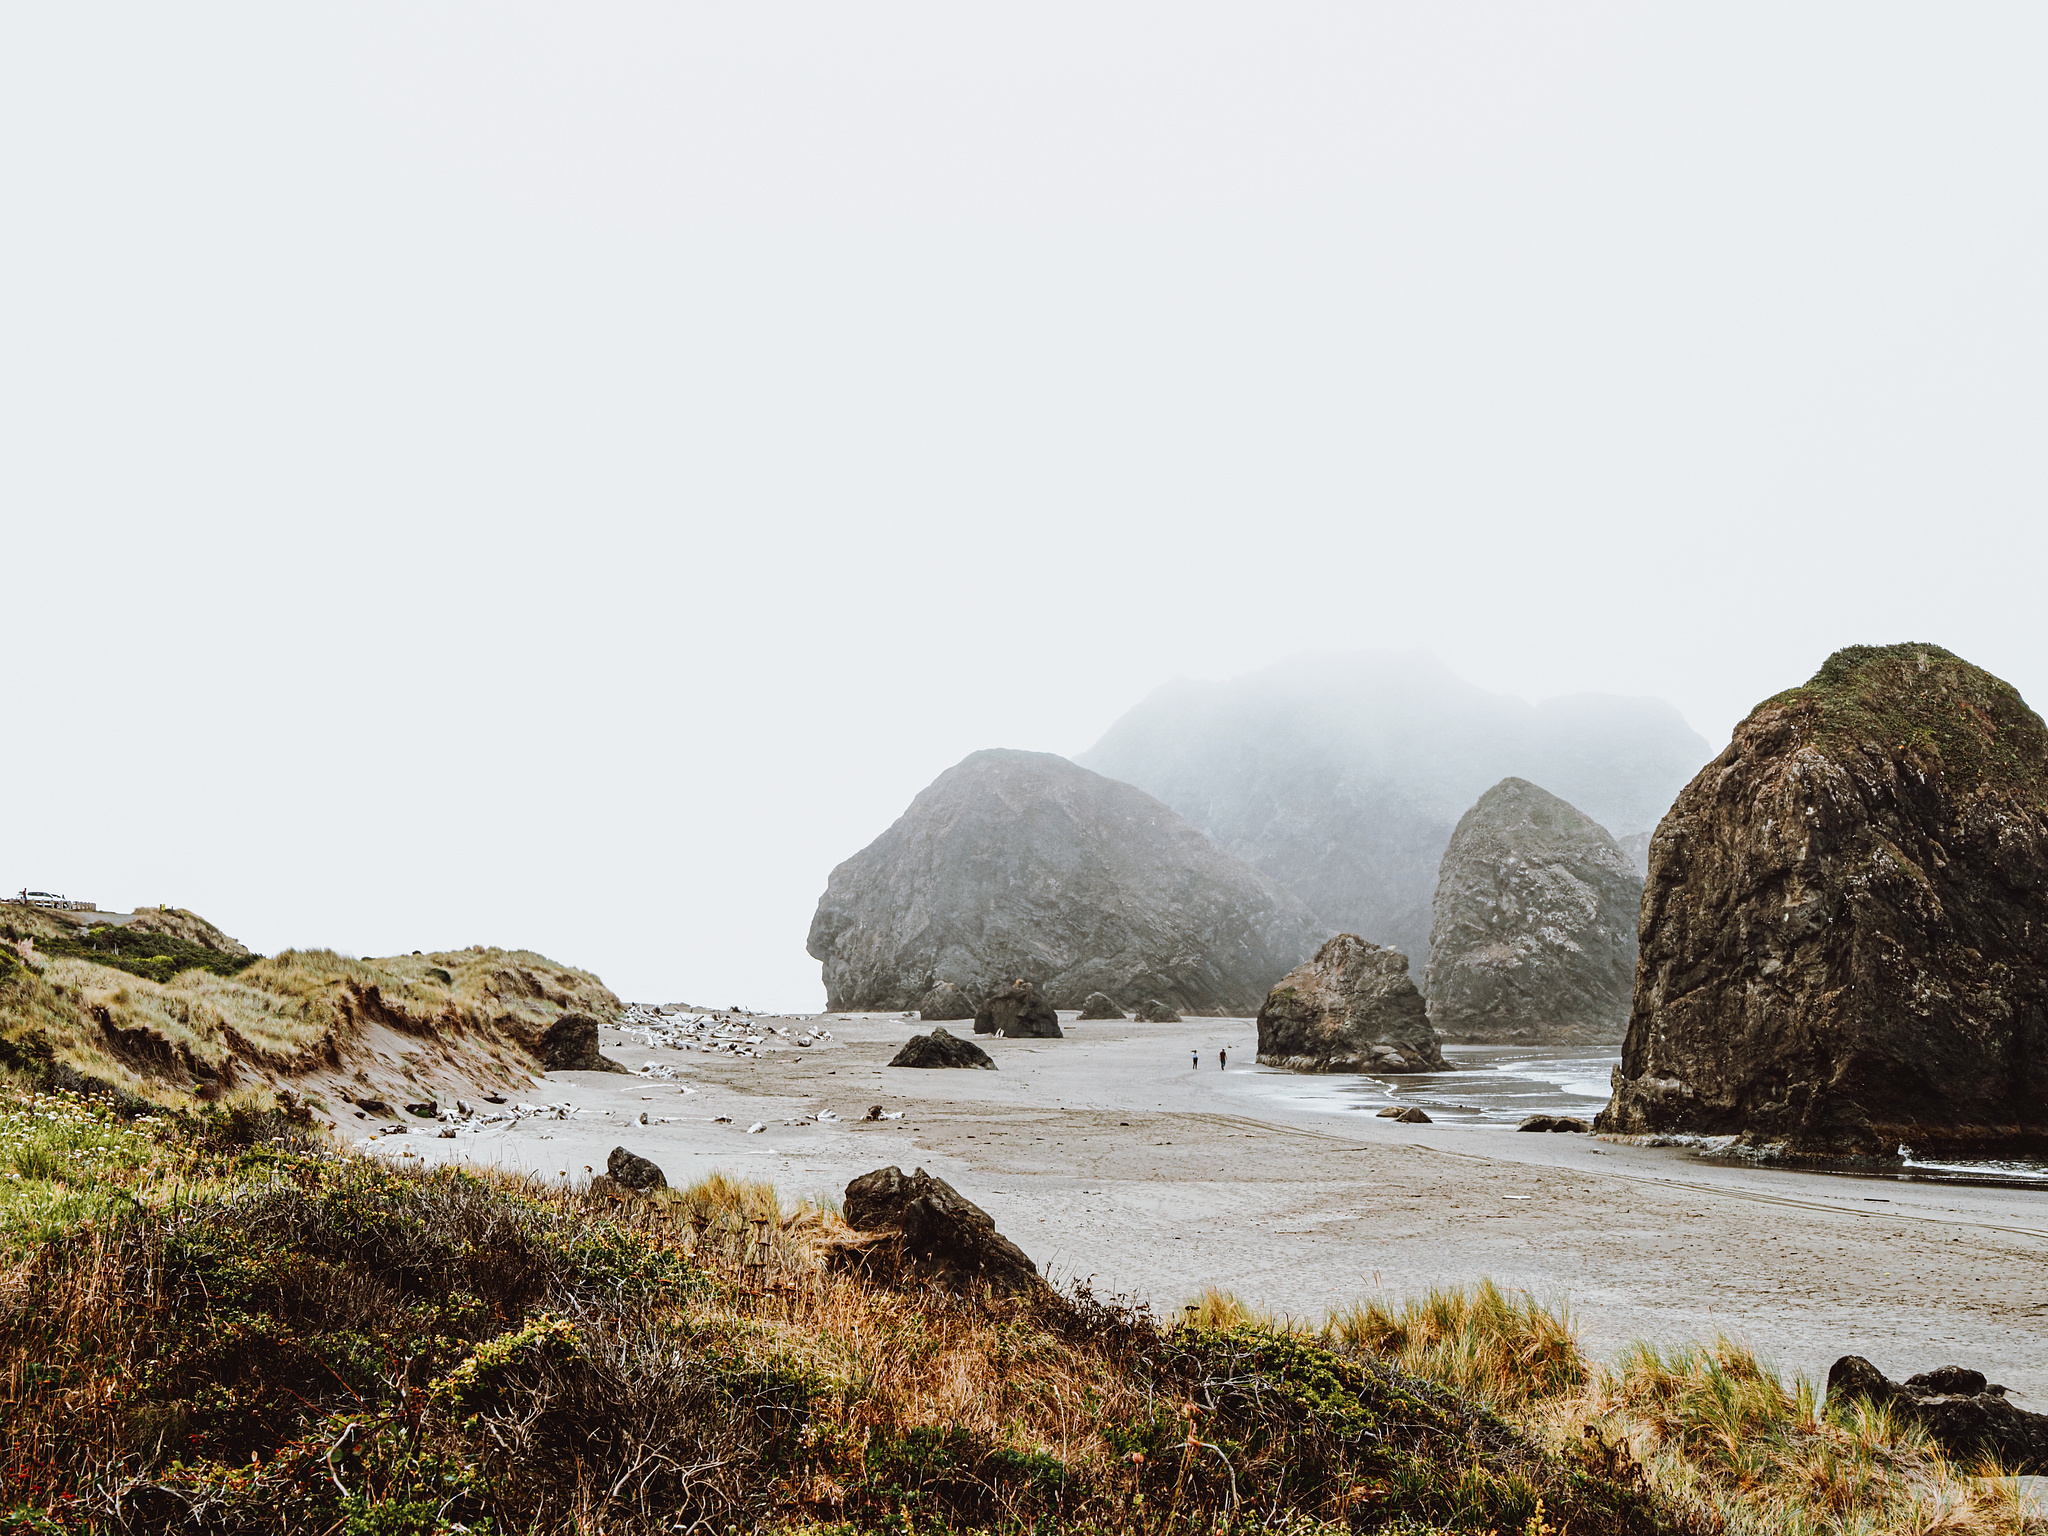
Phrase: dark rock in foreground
[1021,864]
[1099,1006]
[570,1045]
[1962,1413]
[1350,1009]
[1534,941]
[1570,1123]
[930,1232]
[1018,1013]
[941,1048]
[1153,1011]
[944,1003]
[1845,930]
[634,1172]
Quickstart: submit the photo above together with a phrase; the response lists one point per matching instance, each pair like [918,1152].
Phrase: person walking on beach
[1223,1060]
[1194,1059]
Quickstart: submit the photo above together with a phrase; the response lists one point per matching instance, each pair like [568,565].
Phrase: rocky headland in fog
[1534,940]
[1342,777]
[1021,864]
[1350,1008]
[1845,927]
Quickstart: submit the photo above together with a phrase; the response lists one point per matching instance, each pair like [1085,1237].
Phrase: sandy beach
[1107,1158]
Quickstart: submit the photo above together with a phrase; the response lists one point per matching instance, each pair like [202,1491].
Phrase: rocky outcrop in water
[1845,930]
[1535,935]
[1350,1009]
[941,1048]
[1963,1413]
[1018,1012]
[1021,864]
[944,1003]
[1342,777]
[1098,1005]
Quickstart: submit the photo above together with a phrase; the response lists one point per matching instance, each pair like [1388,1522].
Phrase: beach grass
[1713,1429]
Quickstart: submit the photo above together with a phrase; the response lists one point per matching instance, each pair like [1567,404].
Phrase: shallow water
[1493,1085]
[1500,1085]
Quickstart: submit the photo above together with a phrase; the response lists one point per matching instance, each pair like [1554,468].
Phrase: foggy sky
[568,476]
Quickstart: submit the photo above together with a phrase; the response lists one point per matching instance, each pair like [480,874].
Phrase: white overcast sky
[568,476]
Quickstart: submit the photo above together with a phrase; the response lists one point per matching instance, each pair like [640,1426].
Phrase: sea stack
[1351,1008]
[1845,928]
[1020,864]
[1534,940]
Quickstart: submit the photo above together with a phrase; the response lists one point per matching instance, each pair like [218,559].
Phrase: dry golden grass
[1710,1427]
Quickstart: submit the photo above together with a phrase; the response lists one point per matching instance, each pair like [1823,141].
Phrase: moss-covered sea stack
[1844,942]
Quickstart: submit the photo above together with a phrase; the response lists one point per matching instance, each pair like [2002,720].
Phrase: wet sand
[1105,1157]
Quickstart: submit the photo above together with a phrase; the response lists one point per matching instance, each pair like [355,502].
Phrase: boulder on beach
[921,1228]
[1021,864]
[1534,939]
[1097,1005]
[1570,1123]
[1352,1008]
[1410,1116]
[1842,945]
[1963,1413]
[1153,1011]
[941,1048]
[631,1171]
[570,1045]
[945,1003]
[1018,1012]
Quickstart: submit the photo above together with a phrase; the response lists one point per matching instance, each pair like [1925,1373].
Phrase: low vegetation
[223,1323]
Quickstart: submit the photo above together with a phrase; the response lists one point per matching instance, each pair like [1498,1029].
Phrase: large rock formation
[1099,1005]
[1350,1009]
[1018,1012]
[1535,934]
[1020,864]
[1845,930]
[1342,776]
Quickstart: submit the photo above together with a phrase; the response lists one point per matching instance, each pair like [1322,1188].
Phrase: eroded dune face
[1019,864]
[1845,928]
[1534,940]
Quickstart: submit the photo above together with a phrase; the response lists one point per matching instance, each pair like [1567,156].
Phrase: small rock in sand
[634,1172]
[941,1048]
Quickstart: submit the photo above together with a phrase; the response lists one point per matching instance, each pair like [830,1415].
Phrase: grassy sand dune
[177,1011]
